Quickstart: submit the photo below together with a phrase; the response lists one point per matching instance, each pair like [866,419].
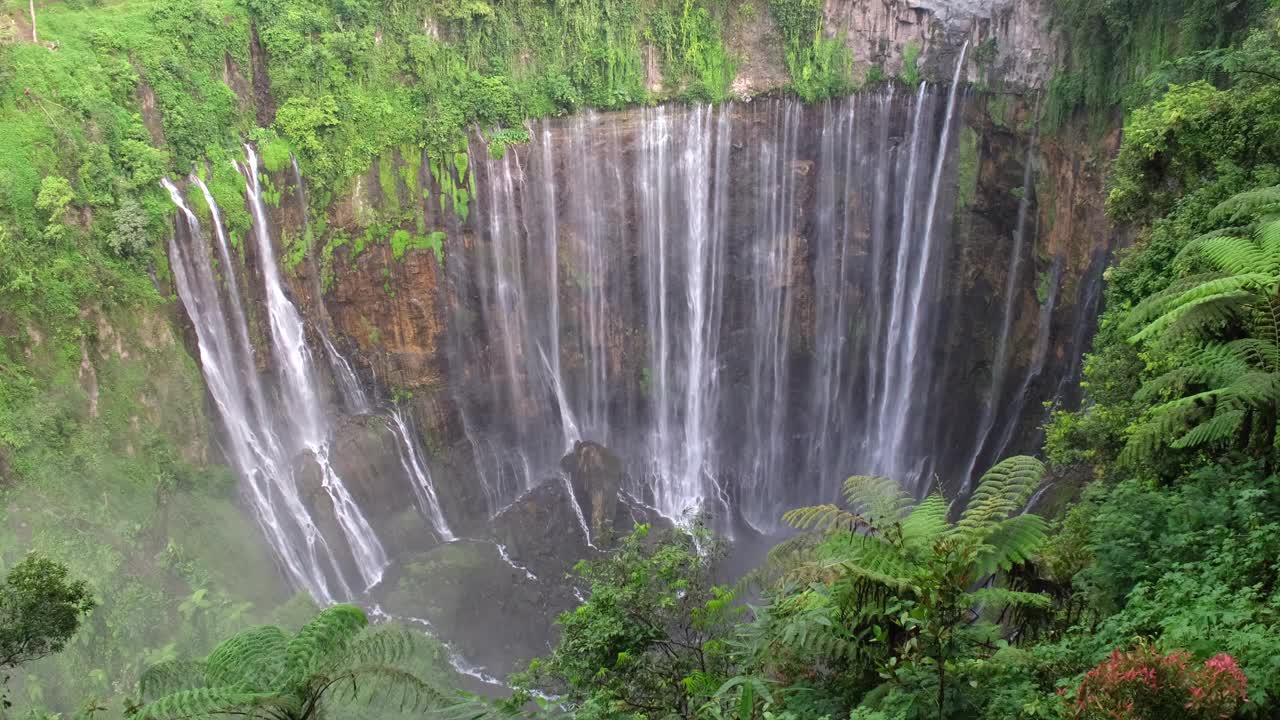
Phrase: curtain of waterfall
[740,300]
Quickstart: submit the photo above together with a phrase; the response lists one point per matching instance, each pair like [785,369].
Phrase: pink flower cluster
[1143,684]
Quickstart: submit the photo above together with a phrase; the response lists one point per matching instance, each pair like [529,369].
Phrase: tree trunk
[32,5]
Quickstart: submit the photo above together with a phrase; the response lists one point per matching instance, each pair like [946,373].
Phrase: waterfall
[411,459]
[259,455]
[741,299]
[297,384]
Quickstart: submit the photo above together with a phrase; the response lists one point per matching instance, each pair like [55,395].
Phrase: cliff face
[1010,299]
[746,302]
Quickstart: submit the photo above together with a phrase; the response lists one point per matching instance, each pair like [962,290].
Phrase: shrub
[1143,684]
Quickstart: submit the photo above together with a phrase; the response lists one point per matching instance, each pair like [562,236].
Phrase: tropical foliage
[336,659]
[1219,331]
[649,641]
[40,610]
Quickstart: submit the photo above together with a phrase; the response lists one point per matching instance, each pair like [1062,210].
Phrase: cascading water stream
[415,466]
[743,300]
[253,447]
[297,382]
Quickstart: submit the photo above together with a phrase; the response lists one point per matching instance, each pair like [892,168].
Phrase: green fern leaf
[1237,256]
[1247,205]
[169,677]
[1218,428]
[251,660]
[821,518]
[1001,492]
[327,635]
[1011,542]
[205,702]
[881,501]
[1212,301]
[927,520]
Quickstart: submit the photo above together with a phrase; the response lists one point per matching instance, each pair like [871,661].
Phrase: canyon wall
[745,302]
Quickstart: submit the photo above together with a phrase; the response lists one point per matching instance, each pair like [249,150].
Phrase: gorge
[425,362]
[745,302]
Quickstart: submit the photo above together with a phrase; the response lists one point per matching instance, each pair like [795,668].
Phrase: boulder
[595,475]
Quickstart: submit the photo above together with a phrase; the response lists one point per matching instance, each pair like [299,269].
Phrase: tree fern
[1219,337]
[901,573]
[263,673]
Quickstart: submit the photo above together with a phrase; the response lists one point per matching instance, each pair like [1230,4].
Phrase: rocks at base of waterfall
[595,474]
[543,531]
[493,612]
[366,455]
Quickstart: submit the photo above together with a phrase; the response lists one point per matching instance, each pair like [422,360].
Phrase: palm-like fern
[1220,333]
[905,579]
[884,539]
[264,673]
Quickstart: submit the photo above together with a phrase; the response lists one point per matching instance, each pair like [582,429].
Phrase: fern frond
[326,635]
[206,702]
[1237,255]
[823,518]
[792,558]
[387,687]
[1010,542]
[995,597]
[892,582]
[1247,205]
[1194,373]
[1218,428]
[169,677]
[881,501]
[1256,389]
[1239,356]
[927,520]
[1161,302]
[1161,424]
[1212,301]
[1001,492]
[251,660]
[380,646]
[1268,234]
[875,555]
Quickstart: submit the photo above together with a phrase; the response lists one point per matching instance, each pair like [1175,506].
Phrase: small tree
[40,610]
[54,198]
[649,642]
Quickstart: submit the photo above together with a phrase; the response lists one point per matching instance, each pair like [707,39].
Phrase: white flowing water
[415,466]
[646,283]
[250,441]
[297,382]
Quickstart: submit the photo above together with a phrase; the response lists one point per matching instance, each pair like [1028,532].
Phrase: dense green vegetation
[1122,52]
